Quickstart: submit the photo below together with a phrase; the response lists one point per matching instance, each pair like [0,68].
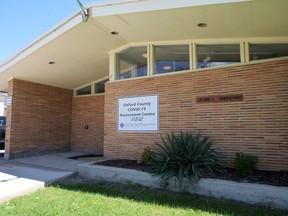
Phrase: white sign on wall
[138,113]
[2,109]
[8,101]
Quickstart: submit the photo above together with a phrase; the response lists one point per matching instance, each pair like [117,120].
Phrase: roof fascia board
[133,6]
[44,39]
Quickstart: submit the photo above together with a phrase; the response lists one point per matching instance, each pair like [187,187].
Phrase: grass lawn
[115,199]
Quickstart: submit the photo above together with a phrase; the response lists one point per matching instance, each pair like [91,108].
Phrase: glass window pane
[100,86]
[217,55]
[266,51]
[171,58]
[84,91]
[131,62]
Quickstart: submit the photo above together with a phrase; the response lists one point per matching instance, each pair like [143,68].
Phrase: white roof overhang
[80,50]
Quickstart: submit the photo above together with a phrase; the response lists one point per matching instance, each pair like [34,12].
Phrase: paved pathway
[22,176]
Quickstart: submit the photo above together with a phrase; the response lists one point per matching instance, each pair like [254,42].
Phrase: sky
[23,21]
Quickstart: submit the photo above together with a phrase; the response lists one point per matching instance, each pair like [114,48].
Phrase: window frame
[180,43]
[243,49]
[93,89]
[115,63]
[262,43]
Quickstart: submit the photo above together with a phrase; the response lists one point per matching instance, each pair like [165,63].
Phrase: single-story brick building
[140,68]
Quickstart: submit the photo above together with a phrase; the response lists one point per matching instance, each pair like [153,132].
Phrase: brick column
[39,119]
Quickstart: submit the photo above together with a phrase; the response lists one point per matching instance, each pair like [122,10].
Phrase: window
[265,51]
[84,91]
[95,87]
[131,62]
[100,86]
[134,61]
[217,55]
[170,58]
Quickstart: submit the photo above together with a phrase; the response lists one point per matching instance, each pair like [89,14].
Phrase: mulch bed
[258,176]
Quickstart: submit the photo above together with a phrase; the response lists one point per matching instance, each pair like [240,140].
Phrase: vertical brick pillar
[39,119]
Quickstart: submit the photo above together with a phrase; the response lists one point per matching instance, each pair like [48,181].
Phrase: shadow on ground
[166,198]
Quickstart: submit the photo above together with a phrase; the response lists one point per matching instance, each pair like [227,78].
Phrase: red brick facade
[257,125]
[39,120]
[44,118]
[88,124]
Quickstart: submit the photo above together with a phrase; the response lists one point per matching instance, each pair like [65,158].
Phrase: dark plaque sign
[219,98]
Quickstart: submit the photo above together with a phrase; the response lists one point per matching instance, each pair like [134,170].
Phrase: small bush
[146,155]
[245,164]
[185,158]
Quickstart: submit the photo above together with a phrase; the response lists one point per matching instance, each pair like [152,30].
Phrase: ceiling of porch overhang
[81,53]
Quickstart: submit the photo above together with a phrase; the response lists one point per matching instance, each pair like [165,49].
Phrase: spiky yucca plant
[184,157]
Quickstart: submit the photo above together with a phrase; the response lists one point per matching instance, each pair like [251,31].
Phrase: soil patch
[258,176]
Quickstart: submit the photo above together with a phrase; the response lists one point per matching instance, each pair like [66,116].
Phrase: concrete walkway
[22,176]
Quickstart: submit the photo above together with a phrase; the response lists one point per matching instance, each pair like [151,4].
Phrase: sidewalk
[22,176]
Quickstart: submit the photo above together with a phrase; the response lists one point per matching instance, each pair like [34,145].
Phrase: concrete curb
[62,178]
[267,195]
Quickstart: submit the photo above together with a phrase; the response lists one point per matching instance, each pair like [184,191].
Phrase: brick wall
[88,111]
[39,120]
[256,125]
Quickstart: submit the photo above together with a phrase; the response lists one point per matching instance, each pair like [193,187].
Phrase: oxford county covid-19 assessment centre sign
[138,113]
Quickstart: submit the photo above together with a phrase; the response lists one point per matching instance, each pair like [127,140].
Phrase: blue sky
[22,21]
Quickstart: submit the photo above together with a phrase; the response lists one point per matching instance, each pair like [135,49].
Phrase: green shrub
[245,164]
[146,155]
[184,158]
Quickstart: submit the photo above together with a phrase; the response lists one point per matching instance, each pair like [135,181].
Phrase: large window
[186,56]
[131,62]
[266,51]
[171,58]
[217,55]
